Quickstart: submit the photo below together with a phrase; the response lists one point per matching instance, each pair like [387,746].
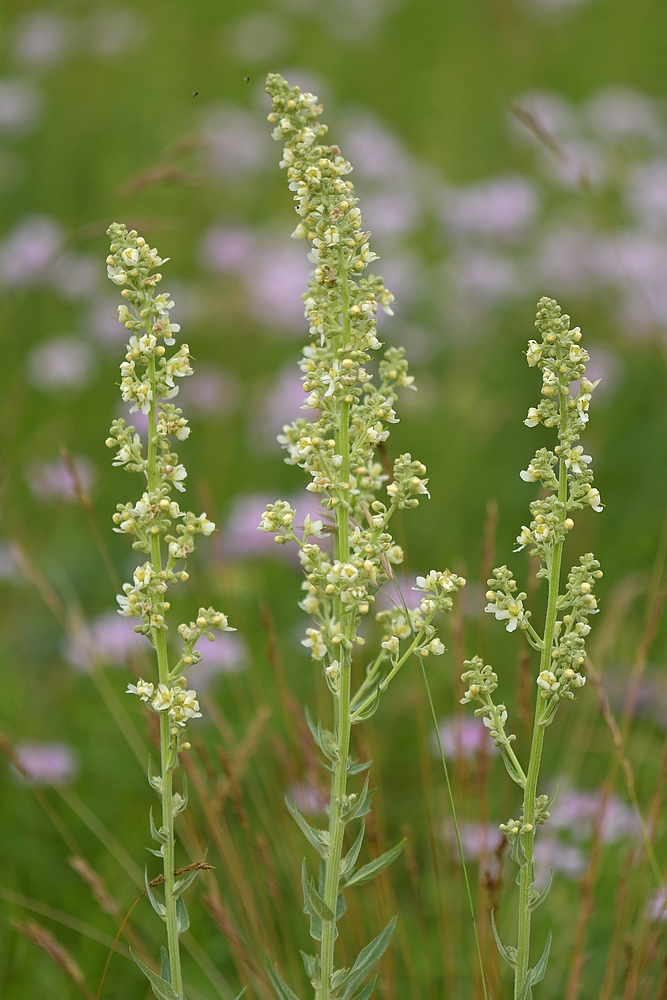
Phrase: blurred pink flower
[53,480]
[577,812]
[46,763]
[28,249]
[115,31]
[550,111]
[502,208]
[211,391]
[107,640]
[278,279]
[278,406]
[482,277]
[463,736]
[63,363]
[20,105]
[237,141]
[103,322]
[646,194]
[240,538]
[476,839]
[617,113]
[551,854]
[42,39]
[308,798]
[228,249]
[258,36]
[657,906]
[227,654]
[75,276]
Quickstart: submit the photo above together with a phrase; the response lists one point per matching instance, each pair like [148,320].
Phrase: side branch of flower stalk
[338,449]
[562,361]
[148,382]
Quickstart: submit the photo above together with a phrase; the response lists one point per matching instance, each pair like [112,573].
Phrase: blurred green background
[503,150]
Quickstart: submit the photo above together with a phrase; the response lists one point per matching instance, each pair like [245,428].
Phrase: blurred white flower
[62,363]
[28,249]
[46,763]
[549,110]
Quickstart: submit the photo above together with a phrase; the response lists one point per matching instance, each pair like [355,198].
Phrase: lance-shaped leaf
[507,951]
[526,992]
[367,958]
[182,917]
[356,767]
[159,835]
[370,710]
[165,964]
[535,899]
[282,990]
[373,868]
[538,971]
[181,884]
[350,859]
[367,990]
[318,838]
[314,903]
[323,738]
[514,774]
[161,987]
[361,805]
[157,906]
[179,801]
[341,906]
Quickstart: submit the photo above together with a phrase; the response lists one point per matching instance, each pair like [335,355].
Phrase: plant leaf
[182,917]
[356,767]
[362,806]
[539,897]
[341,906]
[165,964]
[158,835]
[314,903]
[350,859]
[156,904]
[161,987]
[538,971]
[511,768]
[367,990]
[182,884]
[367,958]
[506,952]
[318,838]
[283,991]
[373,868]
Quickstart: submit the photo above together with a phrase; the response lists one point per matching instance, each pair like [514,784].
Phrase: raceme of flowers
[341,449]
[166,535]
[566,482]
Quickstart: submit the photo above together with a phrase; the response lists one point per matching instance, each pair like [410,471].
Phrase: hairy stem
[532,775]
[342,713]
[166,752]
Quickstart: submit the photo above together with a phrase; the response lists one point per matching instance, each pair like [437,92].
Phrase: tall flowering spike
[339,451]
[166,535]
[566,481]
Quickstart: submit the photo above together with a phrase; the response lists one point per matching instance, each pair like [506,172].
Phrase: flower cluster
[148,380]
[341,449]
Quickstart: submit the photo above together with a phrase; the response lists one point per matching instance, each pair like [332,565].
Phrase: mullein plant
[340,450]
[567,486]
[165,534]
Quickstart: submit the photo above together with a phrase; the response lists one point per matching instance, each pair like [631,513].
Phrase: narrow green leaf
[158,854]
[157,906]
[537,973]
[312,899]
[161,987]
[165,964]
[506,952]
[341,906]
[373,868]
[526,992]
[511,768]
[370,710]
[362,806]
[283,991]
[240,994]
[356,767]
[181,884]
[182,917]
[318,838]
[367,990]
[367,958]
[350,859]
[539,897]
[158,835]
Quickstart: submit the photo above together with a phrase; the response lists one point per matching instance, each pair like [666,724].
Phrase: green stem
[166,751]
[532,775]
[343,722]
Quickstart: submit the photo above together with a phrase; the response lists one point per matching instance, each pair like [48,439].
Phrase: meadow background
[503,150]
